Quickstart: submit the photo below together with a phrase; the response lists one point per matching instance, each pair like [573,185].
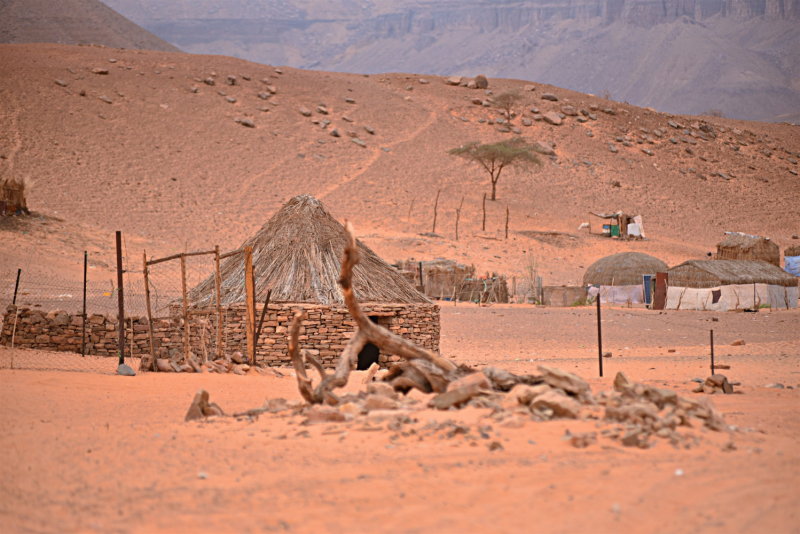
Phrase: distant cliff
[676,55]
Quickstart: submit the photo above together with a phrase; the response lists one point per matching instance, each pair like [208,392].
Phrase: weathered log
[366,332]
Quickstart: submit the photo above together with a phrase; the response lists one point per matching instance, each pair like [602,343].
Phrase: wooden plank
[231,253]
[218,284]
[176,256]
[185,310]
[149,312]
[250,301]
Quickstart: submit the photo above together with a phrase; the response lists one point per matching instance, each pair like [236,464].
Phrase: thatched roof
[623,269]
[714,273]
[298,255]
[792,251]
[745,242]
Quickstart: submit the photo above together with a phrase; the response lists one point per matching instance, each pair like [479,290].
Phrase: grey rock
[359,142]
[552,118]
[549,96]
[369,130]
[246,122]
[560,404]
[568,382]
[526,121]
[335,133]
[230,99]
[612,148]
[304,111]
[125,370]
[647,151]
[350,100]
[209,81]
[481,82]
[62,83]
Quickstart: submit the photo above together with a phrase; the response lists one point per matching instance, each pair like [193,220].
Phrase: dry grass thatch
[704,274]
[298,255]
[14,192]
[623,269]
[743,247]
[792,251]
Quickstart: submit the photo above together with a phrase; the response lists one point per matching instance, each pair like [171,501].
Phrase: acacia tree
[497,156]
[506,101]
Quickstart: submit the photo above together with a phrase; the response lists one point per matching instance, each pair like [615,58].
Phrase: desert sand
[86,452]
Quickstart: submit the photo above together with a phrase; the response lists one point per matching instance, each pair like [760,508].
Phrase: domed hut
[738,246]
[619,278]
[297,256]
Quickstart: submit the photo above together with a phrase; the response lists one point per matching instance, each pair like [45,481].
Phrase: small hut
[791,260]
[619,278]
[737,246]
[722,285]
[13,196]
[297,255]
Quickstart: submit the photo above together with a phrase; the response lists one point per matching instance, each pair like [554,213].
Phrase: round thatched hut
[619,277]
[746,247]
[297,256]
[722,285]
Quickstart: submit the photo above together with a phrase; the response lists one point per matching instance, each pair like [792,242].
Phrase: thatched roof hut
[297,254]
[622,269]
[704,274]
[745,247]
[792,252]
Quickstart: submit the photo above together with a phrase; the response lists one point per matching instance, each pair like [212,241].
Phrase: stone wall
[324,333]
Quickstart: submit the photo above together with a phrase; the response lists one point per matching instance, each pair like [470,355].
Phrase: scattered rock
[423,81]
[612,148]
[477,101]
[201,408]
[776,385]
[304,111]
[164,366]
[209,81]
[379,402]
[648,152]
[544,148]
[583,439]
[105,99]
[526,121]
[714,384]
[478,380]
[529,88]
[264,96]
[568,382]
[359,142]
[125,370]
[552,118]
[231,79]
[322,109]
[62,83]
[383,389]
[471,84]
[569,110]
[100,71]
[246,122]
[350,100]
[558,404]
[481,82]
[369,130]
[549,96]
[319,414]
[738,343]
[335,133]
[230,99]
[453,80]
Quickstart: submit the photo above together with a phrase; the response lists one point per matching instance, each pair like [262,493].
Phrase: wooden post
[599,338]
[712,351]
[263,315]
[149,312]
[83,329]
[458,215]
[218,285]
[185,310]
[250,302]
[483,225]
[506,221]
[435,209]
[514,287]
[121,301]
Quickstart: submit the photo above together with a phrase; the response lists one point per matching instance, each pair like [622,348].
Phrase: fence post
[599,337]
[121,300]
[185,310]
[218,283]
[149,313]
[83,334]
[250,302]
[16,287]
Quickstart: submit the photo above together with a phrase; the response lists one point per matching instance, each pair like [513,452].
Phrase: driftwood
[436,367]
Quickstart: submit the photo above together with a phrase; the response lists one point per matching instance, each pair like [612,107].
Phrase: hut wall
[324,334]
[564,296]
[763,250]
[731,297]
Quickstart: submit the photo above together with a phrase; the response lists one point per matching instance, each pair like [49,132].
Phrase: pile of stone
[631,414]
[715,383]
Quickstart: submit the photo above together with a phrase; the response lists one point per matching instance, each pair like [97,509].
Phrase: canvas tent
[791,260]
[618,278]
[723,285]
[738,246]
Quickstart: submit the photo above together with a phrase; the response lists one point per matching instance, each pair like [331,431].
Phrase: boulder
[453,80]
[472,85]
[529,88]
[478,380]
[522,394]
[566,381]
[304,111]
[549,96]
[569,110]
[164,366]
[454,398]
[477,101]
[543,147]
[558,403]
[481,82]
[622,382]
[125,370]
[379,402]
[551,118]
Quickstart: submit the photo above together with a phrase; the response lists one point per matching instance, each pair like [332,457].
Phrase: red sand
[87,452]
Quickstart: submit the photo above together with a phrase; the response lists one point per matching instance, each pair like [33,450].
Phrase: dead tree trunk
[483,225]
[366,332]
[435,209]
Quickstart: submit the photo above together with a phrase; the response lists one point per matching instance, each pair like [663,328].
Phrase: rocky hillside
[72,22]
[680,56]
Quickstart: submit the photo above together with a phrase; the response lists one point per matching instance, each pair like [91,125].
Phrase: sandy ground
[85,452]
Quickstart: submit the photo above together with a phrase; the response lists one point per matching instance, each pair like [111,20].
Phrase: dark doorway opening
[369,354]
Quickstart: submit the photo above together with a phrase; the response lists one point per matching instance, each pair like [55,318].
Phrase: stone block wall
[324,333]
